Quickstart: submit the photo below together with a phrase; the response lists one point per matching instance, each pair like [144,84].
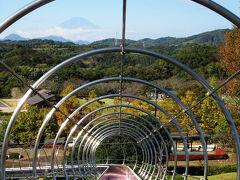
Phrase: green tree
[93,106]
[210,113]
[223,133]
[28,123]
[5,117]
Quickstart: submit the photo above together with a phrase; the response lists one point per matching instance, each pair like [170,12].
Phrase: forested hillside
[32,58]
[211,37]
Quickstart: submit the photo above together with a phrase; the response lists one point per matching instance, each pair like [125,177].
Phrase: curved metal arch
[226,113]
[78,154]
[111,137]
[147,164]
[87,150]
[115,113]
[19,158]
[126,160]
[107,96]
[130,79]
[143,146]
[144,151]
[207,3]
[136,97]
[150,156]
[220,10]
[22,12]
[98,130]
[144,171]
[149,131]
[142,133]
[115,106]
[154,140]
[111,106]
[38,3]
[39,154]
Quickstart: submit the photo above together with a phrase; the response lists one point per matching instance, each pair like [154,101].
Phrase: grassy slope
[225,176]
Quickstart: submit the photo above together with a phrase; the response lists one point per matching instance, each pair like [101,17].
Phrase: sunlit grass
[225,176]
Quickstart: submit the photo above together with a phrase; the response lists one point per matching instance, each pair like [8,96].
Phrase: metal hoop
[209,4]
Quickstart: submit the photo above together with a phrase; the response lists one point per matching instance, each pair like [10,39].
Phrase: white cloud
[81,34]
[72,34]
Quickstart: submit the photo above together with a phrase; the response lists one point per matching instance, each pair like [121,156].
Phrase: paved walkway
[118,173]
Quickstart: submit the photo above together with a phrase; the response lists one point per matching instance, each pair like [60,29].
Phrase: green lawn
[225,176]
[106,101]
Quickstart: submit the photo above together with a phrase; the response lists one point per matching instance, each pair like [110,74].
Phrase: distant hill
[80,42]
[112,42]
[55,38]
[15,37]
[211,37]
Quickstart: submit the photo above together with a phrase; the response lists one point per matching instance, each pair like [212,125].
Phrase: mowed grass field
[11,102]
[225,176]
[106,101]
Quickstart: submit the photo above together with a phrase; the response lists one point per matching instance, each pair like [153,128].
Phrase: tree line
[31,59]
[221,61]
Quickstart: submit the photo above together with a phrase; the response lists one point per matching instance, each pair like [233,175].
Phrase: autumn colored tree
[93,106]
[68,107]
[197,89]
[116,100]
[169,105]
[210,115]
[186,123]
[141,104]
[231,59]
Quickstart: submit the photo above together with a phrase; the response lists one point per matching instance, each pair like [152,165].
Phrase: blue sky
[145,18]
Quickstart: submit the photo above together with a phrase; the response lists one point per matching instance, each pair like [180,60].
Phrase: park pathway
[116,172]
